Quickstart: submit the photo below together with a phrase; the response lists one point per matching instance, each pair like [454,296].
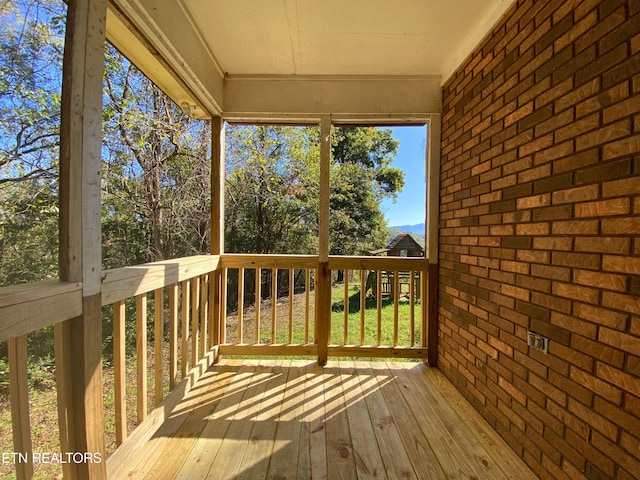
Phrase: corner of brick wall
[540,231]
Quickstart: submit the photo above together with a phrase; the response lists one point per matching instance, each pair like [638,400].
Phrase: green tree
[361,177]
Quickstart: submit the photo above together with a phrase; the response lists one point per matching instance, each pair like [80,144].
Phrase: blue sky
[409,209]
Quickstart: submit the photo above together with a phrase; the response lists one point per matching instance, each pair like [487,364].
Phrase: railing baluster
[19,395]
[158,297]
[307,288]
[274,301]
[173,335]
[119,366]
[412,309]
[257,303]
[141,352]
[345,334]
[291,288]
[379,307]
[184,322]
[223,307]
[204,307]
[396,297]
[362,304]
[214,309]
[195,296]
[240,305]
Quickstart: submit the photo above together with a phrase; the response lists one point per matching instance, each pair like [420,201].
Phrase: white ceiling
[343,37]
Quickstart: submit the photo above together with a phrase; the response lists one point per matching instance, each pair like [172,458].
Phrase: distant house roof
[402,241]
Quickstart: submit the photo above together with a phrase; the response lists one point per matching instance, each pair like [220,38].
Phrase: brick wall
[540,231]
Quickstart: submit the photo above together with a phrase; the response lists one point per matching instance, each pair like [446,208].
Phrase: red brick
[515,292]
[559,120]
[550,154]
[576,292]
[534,173]
[577,161]
[534,201]
[580,194]
[536,145]
[552,302]
[553,243]
[617,188]
[600,280]
[598,350]
[621,226]
[619,263]
[576,31]
[600,388]
[625,303]
[603,135]
[533,256]
[619,340]
[602,244]
[620,148]
[575,227]
[592,418]
[554,273]
[622,109]
[578,127]
[601,316]
[617,377]
[618,206]
[578,95]
[513,392]
[574,324]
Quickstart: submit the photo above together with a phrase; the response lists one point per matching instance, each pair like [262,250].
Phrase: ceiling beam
[332,94]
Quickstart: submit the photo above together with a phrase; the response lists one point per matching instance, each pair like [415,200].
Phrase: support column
[78,342]
[217,222]
[323,283]
[433,208]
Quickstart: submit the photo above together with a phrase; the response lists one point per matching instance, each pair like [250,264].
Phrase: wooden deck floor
[285,420]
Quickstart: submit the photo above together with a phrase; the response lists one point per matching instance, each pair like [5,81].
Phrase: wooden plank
[161,424]
[433,187]
[340,459]
[205,449]
[228,459]
[158,334]
[414,440]
[141,356]
[243,260]
[288,449]
[223,306]
[445,444]
[257,455]
[266,350]
[213,317]
[505,458]
[119,366]
[314,414]
[184,326]
[379,307]
[397,462]
[127,282]
[195,408]
[21,306]
[19,396]
[369,463]
[173,336]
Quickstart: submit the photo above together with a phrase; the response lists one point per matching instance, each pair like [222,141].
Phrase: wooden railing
[222,305]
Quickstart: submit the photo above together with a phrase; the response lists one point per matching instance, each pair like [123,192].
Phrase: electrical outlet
[538,342]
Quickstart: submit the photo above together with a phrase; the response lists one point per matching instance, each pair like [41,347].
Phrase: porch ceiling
[338,37]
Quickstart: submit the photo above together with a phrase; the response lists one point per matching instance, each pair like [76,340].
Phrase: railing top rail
[378,263]
[243,260]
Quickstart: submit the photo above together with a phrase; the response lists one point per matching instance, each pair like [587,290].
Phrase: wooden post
[78,342]
[217,226]
[323,287]
[430,296]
